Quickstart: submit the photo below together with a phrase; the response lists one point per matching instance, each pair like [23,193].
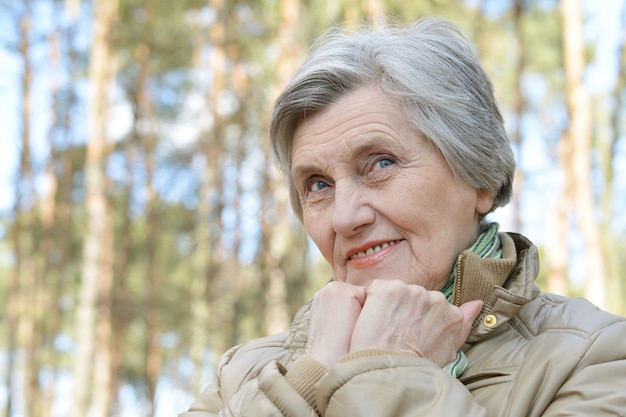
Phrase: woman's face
[378,199]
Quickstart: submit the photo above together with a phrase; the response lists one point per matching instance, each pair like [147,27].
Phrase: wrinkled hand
[408,318]
[387,315]
[334,312]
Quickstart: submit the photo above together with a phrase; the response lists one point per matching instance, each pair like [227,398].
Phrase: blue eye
[384,163]
[317,185]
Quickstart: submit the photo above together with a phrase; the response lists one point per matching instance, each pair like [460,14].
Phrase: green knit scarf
[487,246]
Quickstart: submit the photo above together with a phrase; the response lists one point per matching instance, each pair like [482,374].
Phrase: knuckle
[381,286]
[437,296]
[334,287]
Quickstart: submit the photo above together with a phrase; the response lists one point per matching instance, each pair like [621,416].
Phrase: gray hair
[432,71]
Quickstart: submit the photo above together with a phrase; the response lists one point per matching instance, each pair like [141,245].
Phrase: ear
[484,201]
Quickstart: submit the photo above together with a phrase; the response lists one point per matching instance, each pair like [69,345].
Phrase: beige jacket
[530,354]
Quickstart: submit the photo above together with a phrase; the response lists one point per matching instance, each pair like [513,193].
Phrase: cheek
[405,210]
[468,206]
[320,234]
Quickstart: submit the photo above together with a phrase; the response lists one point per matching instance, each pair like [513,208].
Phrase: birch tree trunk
[93,318]
[578,135]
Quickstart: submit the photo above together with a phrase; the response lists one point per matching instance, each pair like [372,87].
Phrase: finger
[470,310]
[358,293]
[335,310]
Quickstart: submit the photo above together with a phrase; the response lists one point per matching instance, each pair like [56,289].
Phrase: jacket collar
[505,285]
[476,277]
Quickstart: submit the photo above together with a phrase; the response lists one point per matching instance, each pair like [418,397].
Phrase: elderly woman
[395,152]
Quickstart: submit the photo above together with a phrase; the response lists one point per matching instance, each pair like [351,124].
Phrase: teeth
[373,250]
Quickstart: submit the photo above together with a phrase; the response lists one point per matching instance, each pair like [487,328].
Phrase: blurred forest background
[143,228]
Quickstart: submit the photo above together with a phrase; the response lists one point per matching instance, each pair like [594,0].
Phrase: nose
[352,211]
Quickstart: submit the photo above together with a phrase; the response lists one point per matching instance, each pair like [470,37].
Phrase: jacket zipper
[459,275]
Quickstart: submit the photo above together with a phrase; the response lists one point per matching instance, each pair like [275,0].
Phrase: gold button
[490,320]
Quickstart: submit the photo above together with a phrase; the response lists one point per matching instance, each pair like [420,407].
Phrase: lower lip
[373,259]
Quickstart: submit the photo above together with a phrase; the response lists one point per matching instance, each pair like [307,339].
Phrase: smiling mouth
[373,250]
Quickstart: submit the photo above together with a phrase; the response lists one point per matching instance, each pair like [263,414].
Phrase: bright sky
[9,127]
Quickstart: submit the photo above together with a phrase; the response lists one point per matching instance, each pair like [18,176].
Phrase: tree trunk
[26,290]
[557,252]
[206,256]
[93,318]
[478,26]
[351,14]
[275,196]
[375,11]
[519,104]
[123,261]
[578,135]
[152,274]
[613,111]
[52,284]
[72,8]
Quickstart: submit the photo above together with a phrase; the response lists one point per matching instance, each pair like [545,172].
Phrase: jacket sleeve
[371,383]
[207,405]
[209,402]
[597,385]
[269,394]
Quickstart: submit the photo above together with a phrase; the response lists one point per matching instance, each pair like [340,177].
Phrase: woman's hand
[411,319]
[334,312]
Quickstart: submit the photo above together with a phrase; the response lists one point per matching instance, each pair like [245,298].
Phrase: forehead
[357,120]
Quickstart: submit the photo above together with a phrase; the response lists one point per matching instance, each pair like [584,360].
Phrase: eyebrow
[364,147]
[300,172]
